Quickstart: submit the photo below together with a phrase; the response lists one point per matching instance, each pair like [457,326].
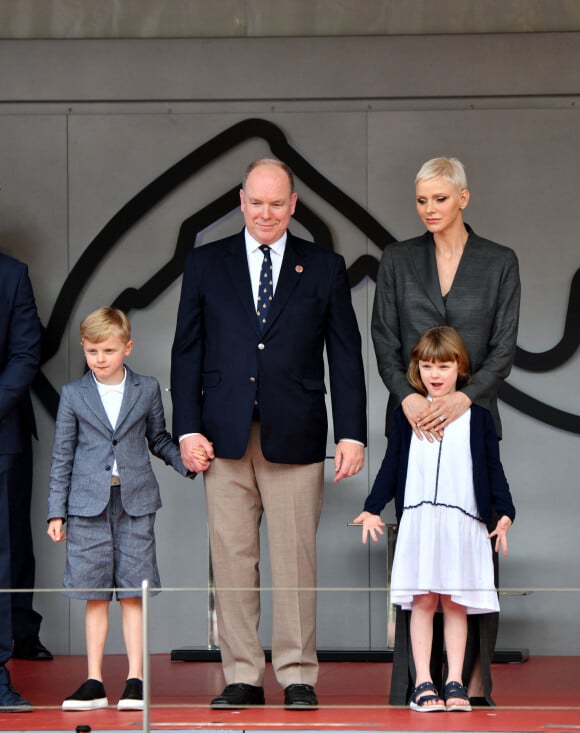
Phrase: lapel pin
[299,268]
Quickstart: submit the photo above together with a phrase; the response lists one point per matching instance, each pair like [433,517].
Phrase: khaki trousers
[238,493]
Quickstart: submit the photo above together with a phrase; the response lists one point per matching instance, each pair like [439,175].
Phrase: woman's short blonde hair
[100,324]
[440,343]
[450,169]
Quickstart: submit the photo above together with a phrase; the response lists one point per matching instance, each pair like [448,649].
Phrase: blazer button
[107,468]
[252,379]
[261,346]
[115,442]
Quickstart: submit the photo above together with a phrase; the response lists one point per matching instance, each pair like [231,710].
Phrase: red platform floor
[541,694]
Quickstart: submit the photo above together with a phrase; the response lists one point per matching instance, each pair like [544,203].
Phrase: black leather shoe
[10,700]
[31,649]
[239,695]
[300,697]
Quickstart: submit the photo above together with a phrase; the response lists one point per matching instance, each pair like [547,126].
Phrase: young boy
[102,484]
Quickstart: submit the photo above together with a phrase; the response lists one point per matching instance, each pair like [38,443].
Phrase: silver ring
[441,418]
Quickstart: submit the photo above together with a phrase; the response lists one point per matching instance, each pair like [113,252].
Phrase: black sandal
[418,700]
[456,691]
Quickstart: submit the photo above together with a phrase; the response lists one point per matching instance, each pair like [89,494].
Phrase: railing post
[146,666]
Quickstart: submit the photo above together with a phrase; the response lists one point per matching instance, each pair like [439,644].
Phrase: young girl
[445,491]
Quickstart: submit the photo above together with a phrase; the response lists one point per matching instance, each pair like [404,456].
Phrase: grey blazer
[483,305]
[86,446]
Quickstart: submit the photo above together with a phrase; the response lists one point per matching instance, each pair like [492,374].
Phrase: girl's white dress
[442,544]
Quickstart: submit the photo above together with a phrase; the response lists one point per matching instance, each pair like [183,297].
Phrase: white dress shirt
[255,258]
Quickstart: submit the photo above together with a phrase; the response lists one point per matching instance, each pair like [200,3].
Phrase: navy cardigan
[492,492]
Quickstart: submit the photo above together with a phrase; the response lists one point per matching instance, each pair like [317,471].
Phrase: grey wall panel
[298,68]
[34,228]
[198,18]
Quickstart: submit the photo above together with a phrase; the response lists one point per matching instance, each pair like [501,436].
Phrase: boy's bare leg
[96,628]
[132,617]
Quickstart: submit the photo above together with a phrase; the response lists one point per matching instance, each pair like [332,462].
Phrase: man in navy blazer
[20,337]
[248,385]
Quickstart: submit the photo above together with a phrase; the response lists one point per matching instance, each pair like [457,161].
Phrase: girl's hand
[371,524]
[500,534]
[55,530]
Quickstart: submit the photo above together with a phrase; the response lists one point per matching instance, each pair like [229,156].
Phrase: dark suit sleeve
[21,352]
[346,371]
[187,354]
[387,480]
[501,499]
[502,343]
[385,330]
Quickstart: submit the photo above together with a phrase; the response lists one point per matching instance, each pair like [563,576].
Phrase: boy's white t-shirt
[112,396]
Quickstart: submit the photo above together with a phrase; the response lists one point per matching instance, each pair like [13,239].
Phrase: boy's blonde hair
[100,324]
[440,343]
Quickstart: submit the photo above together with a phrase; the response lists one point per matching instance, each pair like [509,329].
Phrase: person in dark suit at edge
[247,381]
[26,620]
[448,276]
[20,343]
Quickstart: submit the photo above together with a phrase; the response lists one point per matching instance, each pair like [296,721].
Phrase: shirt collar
[277,247]
[109,388]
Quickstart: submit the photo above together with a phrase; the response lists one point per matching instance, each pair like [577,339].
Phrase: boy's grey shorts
[112,550]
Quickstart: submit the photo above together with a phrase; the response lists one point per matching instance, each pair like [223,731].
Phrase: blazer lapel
[91,397]
[131,395]
[288,280]
[236,264]
[463,279]
[423,259]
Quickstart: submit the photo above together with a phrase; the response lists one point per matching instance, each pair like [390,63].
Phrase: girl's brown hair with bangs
[440,343]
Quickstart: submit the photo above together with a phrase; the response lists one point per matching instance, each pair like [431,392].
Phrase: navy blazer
[491,487]
[20,342]
[222,363]
[86,446]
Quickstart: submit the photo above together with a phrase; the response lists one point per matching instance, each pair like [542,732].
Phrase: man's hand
[349,459]
[196,452]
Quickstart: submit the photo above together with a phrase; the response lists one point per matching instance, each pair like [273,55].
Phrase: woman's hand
[415,406]
[500,534]
[371,524]
[442,411]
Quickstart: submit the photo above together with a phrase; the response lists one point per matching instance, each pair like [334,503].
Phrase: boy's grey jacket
[86,446]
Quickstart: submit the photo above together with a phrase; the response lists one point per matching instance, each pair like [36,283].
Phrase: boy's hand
[500,533]
[55,530]
[196,452]
[371,524]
